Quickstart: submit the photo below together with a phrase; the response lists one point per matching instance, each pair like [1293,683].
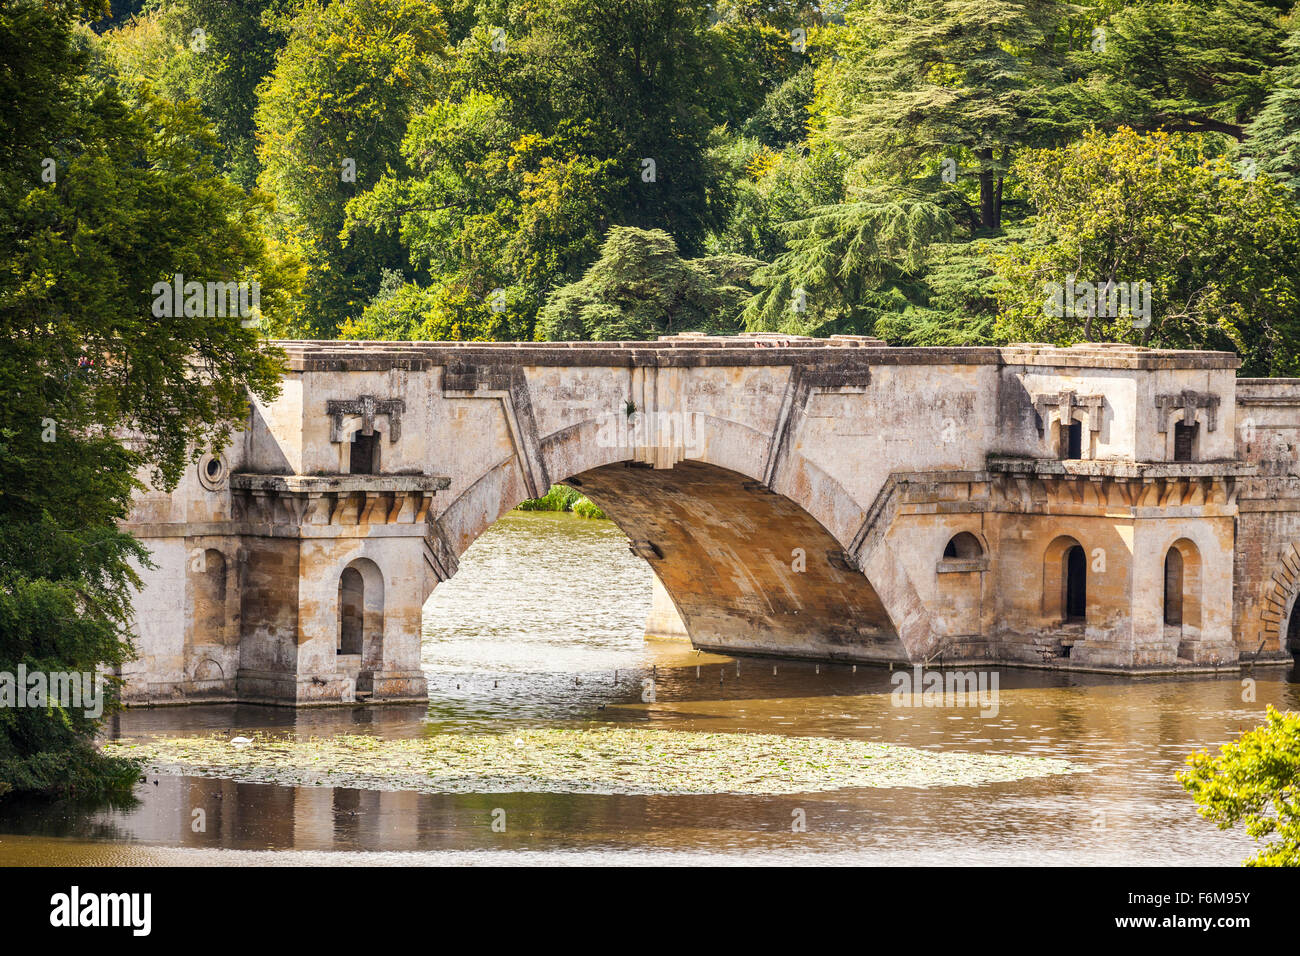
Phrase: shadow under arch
[1290,632]
[748,570]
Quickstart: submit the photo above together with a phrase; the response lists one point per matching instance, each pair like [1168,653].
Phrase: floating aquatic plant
[601,760]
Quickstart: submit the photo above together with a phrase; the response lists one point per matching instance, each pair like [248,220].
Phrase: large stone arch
[748,568]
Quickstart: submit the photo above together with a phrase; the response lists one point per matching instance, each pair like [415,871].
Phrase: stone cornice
[318,484]
[727,351]
[1090,468]
[339,500]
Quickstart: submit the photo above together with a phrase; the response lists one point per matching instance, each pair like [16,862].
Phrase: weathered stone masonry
[1095,507]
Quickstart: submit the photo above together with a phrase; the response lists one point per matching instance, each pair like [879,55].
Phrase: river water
[543,627]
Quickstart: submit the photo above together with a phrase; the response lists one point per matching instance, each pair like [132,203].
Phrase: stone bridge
[1099,507]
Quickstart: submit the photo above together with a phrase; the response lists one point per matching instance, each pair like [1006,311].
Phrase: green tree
[1217,250]
[1256,781]
[1189,66]
[330,122]
[491,214]
[846,264]
[215,51]
[969,80]
[630,82]
[561,119]
[762,53]
[641,288]
[783,117]
[772,188]
[955,301]
[106,195]
[1274,136]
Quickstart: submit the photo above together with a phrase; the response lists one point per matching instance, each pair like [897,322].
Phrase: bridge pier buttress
[334,582]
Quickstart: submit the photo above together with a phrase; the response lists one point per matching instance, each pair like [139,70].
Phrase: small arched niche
[963,546]
[1182,588]
[959,588]
[359,648]
[1065,581]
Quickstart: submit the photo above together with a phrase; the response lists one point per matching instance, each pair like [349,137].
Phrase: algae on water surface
[599,760]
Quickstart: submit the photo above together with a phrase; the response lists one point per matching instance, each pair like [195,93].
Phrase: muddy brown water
[543,627]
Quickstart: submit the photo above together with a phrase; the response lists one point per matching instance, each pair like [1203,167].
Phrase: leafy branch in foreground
[1256,781]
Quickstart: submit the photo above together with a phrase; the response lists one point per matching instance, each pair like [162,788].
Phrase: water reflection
[543,627]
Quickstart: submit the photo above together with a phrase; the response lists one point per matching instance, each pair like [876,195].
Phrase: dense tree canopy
[330,121]
[1274,136]
[865,152]
[1120,212]
[110,190]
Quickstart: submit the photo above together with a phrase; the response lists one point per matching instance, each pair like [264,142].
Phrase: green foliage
[562,498]
[972,80]
[1256,781]
[1274,136]
[955,302]
[574,118]
[499,144]
[351,75]
[134,198]
[783,117]
[1186,66]
[844,265]
[486,207]
[774,188]
[586,508]
[1218,250]
[444,311]
[637,78]
[641,288]
[214,51]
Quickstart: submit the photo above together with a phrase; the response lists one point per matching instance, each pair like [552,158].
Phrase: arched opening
[963,546]
[1173,588]
[1182,589]
[1065,581]
[359,648]
[208,618]
[1076,584]
[352,596]
[747,569]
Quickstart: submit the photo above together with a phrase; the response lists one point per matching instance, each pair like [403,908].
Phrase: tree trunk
[989,217]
